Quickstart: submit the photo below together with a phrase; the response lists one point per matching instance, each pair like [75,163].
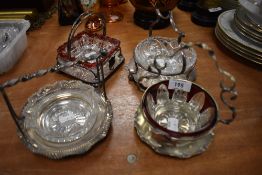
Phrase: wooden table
[236,149]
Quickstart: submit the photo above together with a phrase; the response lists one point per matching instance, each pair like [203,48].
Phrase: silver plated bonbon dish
[177,117]
[158,58]
[65,118]
[83,46]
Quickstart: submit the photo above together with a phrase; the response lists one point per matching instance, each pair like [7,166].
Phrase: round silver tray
[65,118]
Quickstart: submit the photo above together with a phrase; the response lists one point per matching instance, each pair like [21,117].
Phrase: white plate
[226,24]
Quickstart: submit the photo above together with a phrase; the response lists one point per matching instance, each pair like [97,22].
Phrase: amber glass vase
[145,12]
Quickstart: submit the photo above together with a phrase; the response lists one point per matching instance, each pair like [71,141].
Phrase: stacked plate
[240,34]
[247,26]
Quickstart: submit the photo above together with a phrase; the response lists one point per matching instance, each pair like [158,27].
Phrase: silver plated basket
[177,117]
[65,118]
[83,46]
[160,58]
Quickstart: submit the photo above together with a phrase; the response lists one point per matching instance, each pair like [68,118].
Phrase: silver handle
[224,88]
[169,16]
[83,17]
[52,69]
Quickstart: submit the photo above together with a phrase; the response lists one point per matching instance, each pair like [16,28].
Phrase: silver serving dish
[62,119]
[160,58]
[84,46]
[65,118]
[177,117]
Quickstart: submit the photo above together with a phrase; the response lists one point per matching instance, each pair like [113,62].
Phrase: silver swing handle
[169,16]
[83,17]
[224,88]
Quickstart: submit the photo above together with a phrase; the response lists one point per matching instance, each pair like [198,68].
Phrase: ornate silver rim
[55,150]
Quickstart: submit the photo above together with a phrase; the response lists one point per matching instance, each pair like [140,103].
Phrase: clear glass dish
[161,58]
[164,55]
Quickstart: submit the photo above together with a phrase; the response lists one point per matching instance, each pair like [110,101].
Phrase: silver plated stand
[86,71]
[181,60]
[183,142]
[65,118]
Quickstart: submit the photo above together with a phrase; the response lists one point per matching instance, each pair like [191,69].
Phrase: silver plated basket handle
[43,72]
[224,88]
[38,74]
[169,16]
[83,17]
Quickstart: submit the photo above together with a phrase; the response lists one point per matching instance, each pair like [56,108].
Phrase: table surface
[236,149]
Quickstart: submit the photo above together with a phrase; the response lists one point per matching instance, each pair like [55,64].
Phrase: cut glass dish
[161,58]
[175,122]
[84,47]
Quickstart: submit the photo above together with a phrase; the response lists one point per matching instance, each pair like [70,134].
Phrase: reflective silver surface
[175,121]
[163,145]
[65,118]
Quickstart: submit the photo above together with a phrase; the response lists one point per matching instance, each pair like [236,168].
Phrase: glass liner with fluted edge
[190,115]
[174,122]
[86,45]
[110,11]
[195,111]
